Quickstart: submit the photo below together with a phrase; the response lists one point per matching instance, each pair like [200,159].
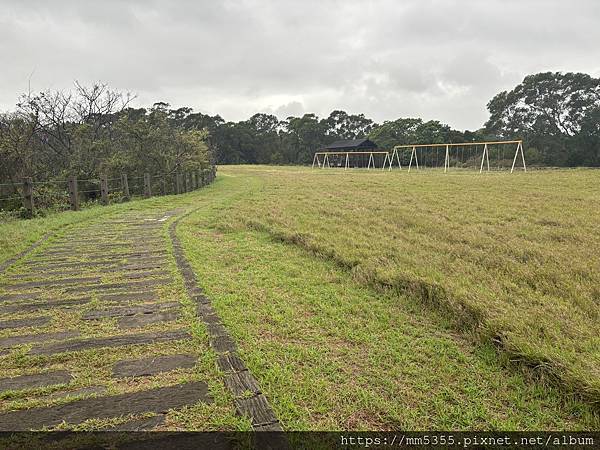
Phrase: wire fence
[30,197]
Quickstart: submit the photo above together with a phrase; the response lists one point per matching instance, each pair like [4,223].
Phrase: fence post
[185,181]
[194,185]
[28,195]
[73,194]
[147,189]
[163,184]
[178,182]
[104,189]
[125,187]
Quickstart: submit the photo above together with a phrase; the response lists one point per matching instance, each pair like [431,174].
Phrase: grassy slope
[514,257]
[331,351]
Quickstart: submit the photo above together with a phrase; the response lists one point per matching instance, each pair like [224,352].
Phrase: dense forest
[95,130]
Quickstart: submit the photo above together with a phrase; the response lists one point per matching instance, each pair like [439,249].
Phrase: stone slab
[242,383]
[52,283]
[145,265]
[158,400]
[145,274]
[112,341]
[20,296]
[24,323]
[36,338]
[35,380]
[141,320]
[256,408]
[131,285]
[128,296]
[39,306]
[222,344]
[75,264]
[216,329]
[122,311]
[230,362]
[106,255]
[203,309]
[153,365]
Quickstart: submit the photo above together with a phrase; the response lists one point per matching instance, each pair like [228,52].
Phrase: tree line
[94,130]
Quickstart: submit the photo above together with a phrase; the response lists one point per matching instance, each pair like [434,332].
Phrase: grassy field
[375,300]
[378,300]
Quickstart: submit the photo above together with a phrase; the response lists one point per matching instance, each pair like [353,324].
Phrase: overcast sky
[432,59]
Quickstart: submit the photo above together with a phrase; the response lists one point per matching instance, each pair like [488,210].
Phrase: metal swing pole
[447,159]
[384,161]
[315,159]
[523,156]
[416,158]
[515,158]
[483,157]
[397,159]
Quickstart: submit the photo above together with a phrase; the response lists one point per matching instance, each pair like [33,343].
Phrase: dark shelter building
[351,145]
[361,146]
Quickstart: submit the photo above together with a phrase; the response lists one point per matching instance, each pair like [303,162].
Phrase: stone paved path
[92,327]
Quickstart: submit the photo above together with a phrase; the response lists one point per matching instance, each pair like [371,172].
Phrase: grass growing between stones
[376,300]
[91,369]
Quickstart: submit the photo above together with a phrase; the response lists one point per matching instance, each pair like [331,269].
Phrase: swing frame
[485,156]
[326,163]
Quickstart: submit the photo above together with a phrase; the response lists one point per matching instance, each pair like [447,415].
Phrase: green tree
[549,111]
[342,125]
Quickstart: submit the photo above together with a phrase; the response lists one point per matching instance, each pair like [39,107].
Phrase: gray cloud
[434,59]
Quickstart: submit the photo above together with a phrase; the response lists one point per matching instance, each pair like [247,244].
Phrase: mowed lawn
[368,299]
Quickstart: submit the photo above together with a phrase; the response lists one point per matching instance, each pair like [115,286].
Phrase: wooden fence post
[125,187]
[163,185]
[28,195]
[194,185]
[73,194]
[178,183]
[147,189]
[104,189]
[185,182]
